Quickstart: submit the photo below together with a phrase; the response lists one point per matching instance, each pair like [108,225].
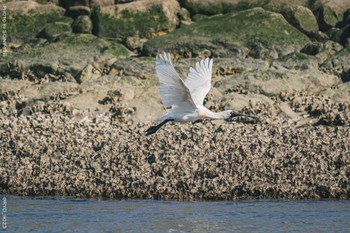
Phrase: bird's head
[226,114]
[229,114]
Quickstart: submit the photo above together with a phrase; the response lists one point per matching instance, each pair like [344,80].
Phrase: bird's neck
[215,115]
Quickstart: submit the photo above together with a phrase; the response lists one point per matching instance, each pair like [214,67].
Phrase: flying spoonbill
[186,97]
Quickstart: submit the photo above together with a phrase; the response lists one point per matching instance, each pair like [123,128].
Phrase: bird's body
[199,112]
[186,97]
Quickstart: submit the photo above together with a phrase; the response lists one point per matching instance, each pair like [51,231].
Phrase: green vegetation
[329,16]
[301,17]
[233,30]
[199,17]
[307,21]
[70,54]
[219,7]
[129,24]
[210,9]
[46,1]
[265,75]
[294,56]
[24,27]
[84,40]
[54,30]
[242,5]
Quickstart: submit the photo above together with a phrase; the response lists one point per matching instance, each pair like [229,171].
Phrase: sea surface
[65,214]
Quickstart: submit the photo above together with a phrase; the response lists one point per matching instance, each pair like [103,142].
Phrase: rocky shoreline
[77,94]
[50,152]
[57,155]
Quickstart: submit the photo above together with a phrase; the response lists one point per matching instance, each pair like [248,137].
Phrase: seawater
[64,214]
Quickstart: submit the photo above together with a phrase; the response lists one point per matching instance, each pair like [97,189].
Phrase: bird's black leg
[197,121]
[153,129]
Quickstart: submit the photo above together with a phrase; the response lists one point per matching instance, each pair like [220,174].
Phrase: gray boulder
[82,24]
[62,60]
[260,33]
[75,11]
[53,31]
[301,18]
[327,18]
[339,64]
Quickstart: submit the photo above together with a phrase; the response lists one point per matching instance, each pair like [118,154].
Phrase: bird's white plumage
[186,98]
[172,89]
[174,92]
[198,80]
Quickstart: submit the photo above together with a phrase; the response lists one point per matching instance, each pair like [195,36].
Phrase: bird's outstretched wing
[172,89]
[198,80]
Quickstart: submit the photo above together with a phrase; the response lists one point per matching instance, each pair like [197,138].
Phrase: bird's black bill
[153,129]
[236,114]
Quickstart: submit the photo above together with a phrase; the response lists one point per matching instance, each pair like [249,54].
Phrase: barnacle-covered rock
[87,139]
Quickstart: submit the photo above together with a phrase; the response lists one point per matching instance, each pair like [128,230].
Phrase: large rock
[53,31]
[339,65]
[28,18]
[89,3]
[271,82]
[82,24]
[170,8]
[258,32]
[212,7]
[68,3]
[320,51]
[346,20]
[327,18]
[75,11]
[90,72]
[29,8]
[63,145]
[330,13]
[302,18]
[340,35]
[62,60]
[141,18]
[135,43]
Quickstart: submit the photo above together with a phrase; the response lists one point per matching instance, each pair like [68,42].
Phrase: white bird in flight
[186,98]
